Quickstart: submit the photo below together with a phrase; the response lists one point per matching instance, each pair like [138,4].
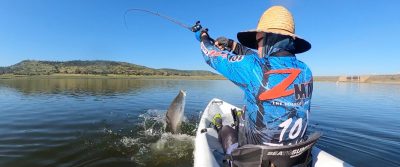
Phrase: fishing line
[159,15]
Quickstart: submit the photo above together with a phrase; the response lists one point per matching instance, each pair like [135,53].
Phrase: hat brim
[248,39]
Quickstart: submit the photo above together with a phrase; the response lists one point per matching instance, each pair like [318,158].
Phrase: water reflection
[83,86]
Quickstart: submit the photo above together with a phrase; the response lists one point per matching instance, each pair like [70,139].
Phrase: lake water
[118,122]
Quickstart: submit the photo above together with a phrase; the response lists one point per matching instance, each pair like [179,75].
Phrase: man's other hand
[223,43]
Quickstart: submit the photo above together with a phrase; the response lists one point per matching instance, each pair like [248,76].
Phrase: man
[277,86]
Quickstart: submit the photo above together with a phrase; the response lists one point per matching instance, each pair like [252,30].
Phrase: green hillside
[97,67]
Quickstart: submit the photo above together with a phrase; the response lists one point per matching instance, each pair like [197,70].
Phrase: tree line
[96,67]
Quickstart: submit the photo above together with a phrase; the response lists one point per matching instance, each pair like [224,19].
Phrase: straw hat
[277,20]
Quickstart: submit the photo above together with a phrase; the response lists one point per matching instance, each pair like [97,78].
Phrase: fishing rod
[194,28]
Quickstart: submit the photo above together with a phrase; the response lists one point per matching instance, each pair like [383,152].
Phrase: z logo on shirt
[280,89]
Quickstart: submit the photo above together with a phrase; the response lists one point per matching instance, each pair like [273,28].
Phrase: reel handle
[197,27]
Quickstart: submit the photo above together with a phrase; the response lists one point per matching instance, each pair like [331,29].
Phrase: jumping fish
[175,112]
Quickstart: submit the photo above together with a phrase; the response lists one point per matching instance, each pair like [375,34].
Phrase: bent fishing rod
[195,28]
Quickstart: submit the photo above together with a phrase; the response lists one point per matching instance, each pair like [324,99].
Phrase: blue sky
[347,37]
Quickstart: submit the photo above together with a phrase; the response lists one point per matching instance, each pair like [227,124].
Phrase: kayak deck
[208,150]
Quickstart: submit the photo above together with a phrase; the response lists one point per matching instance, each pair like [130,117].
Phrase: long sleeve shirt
[277,92]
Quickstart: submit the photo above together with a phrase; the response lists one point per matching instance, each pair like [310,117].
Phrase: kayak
[208,150]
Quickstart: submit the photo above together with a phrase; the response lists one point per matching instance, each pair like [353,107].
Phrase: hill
[97,67]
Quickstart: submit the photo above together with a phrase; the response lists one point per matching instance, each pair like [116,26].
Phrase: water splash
[129,142]
[153,122]
[147,144]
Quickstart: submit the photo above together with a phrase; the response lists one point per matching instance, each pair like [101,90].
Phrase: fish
[174,115]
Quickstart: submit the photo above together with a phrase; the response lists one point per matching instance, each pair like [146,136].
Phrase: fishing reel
[198,27]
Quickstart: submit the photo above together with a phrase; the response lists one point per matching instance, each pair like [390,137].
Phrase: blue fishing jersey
[277,92]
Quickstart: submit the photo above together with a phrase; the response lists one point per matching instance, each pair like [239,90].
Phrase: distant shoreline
[103,69]
[109,76]
[383,79]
